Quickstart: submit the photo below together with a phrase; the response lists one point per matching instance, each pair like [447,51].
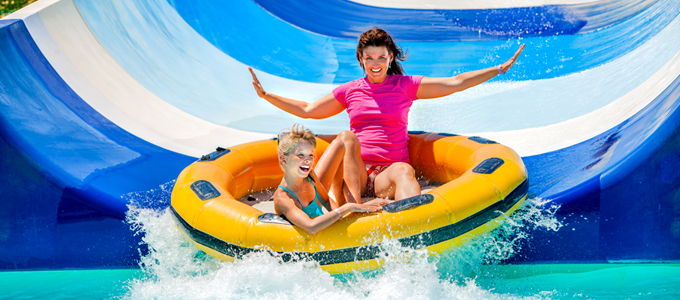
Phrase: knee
[404,170]
[348,138]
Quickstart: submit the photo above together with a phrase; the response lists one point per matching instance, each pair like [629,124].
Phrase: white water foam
[174,269]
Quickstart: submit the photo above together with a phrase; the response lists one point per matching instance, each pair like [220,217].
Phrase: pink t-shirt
[378,115]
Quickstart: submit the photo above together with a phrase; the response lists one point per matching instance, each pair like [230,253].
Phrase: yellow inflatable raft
[481,179]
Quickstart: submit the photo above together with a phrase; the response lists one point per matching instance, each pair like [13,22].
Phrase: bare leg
[337,188]
[329,169]
[354,169]
[348,179]
[398,181]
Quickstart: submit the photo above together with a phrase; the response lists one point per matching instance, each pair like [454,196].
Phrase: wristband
[500,71]
[338,212]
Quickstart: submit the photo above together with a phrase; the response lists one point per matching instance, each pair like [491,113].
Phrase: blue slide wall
[69,171]
[66,167]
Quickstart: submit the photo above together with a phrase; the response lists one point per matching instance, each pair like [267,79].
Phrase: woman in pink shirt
[376,147]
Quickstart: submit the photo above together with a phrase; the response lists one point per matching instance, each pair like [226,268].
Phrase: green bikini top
[313,210]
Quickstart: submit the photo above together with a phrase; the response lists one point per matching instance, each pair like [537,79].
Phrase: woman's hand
[371,206]
[436,87]
[256,83]
[506,65]
[322,108]
[379,201]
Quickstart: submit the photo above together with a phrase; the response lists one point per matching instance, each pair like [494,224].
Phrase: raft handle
[214,155]
[481,140]
[407,203]
[204,190]
[488,166]
[447,134]
[273,218]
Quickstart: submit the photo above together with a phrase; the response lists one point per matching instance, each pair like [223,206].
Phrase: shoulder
[404,80]
[340,93]
[283,199]
[284,203]
[409,84]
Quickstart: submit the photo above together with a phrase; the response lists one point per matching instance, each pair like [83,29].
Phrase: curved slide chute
[103,103]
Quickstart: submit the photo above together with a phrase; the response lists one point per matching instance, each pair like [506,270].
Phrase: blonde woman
[302,193]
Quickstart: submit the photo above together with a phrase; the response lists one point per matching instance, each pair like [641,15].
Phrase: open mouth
[376,70]
[304,168]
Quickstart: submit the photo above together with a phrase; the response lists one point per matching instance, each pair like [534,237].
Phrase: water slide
[103,103]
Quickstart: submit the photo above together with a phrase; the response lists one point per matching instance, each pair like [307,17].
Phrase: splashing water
[501,244]
[174,269]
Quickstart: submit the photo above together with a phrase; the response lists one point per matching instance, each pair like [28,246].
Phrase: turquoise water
[175,269]
[69,284]
[651,281]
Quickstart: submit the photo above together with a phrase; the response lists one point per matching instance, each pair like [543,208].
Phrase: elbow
[306,114]
[310,227]
[311,230]
[312,113]
[314,227]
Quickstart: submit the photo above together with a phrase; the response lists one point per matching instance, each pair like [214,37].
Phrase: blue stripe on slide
[206,86]
[350,19]
[621,183]
[254,37]
[73,144]
[608,157]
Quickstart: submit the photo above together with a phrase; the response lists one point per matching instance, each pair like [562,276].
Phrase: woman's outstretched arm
[326,106]
[444,86]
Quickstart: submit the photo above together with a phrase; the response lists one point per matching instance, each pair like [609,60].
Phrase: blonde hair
[289,138]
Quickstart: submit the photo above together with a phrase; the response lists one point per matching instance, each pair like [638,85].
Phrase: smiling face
[300,160]
[376,61]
